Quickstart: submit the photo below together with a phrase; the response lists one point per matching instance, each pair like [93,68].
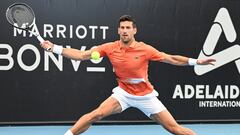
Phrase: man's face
[126,31]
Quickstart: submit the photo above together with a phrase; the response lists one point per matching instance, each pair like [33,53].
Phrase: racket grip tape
[40,39]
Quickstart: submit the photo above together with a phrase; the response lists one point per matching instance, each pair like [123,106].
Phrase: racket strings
[21,16]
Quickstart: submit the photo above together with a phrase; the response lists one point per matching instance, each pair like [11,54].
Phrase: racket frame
[29,28]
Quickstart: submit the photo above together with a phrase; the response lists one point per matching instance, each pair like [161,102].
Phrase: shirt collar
[132,45]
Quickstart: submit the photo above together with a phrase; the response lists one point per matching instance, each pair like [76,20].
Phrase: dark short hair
[127,18]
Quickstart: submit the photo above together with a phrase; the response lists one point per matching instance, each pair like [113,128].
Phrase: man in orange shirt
[130,60]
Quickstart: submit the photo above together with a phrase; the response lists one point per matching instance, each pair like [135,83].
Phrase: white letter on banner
[76,63]
[93,31]
[178,92]
[189,91]
[47,29]
[7,56]
[61,29]
[58,63]
[104,28]
[234,92]
[84,31]
[19,57]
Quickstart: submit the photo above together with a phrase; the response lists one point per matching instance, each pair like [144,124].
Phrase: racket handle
[40,39]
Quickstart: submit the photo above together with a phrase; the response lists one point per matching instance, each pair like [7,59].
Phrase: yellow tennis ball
[95,55]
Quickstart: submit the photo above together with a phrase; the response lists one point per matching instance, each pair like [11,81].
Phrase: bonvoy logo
[222,24]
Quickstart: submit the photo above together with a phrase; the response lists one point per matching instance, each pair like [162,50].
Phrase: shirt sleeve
[154,54]
[103,49]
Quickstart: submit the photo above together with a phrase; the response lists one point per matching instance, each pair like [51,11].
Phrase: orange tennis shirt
[131,62]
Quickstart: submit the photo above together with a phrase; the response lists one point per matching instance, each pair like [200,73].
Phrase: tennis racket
[21,16]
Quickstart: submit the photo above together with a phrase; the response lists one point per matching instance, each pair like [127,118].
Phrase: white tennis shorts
[148,104]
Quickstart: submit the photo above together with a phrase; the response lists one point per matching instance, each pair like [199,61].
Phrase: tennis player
[130,60]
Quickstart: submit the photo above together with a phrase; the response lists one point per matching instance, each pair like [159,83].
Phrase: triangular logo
[222,24]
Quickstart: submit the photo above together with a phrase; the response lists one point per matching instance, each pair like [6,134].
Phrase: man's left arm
[183,61]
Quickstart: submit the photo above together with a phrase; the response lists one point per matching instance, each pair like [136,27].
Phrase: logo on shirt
[222,24]
[136,57]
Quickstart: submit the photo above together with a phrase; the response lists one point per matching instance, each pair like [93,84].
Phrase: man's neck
[123,44]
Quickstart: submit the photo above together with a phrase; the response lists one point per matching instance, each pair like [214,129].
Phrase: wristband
[192,62]
[57,49]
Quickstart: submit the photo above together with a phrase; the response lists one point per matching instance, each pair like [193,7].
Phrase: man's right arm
[67,52]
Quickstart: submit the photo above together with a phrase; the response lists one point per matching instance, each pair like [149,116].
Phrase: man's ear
[135,30]
[118,30]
